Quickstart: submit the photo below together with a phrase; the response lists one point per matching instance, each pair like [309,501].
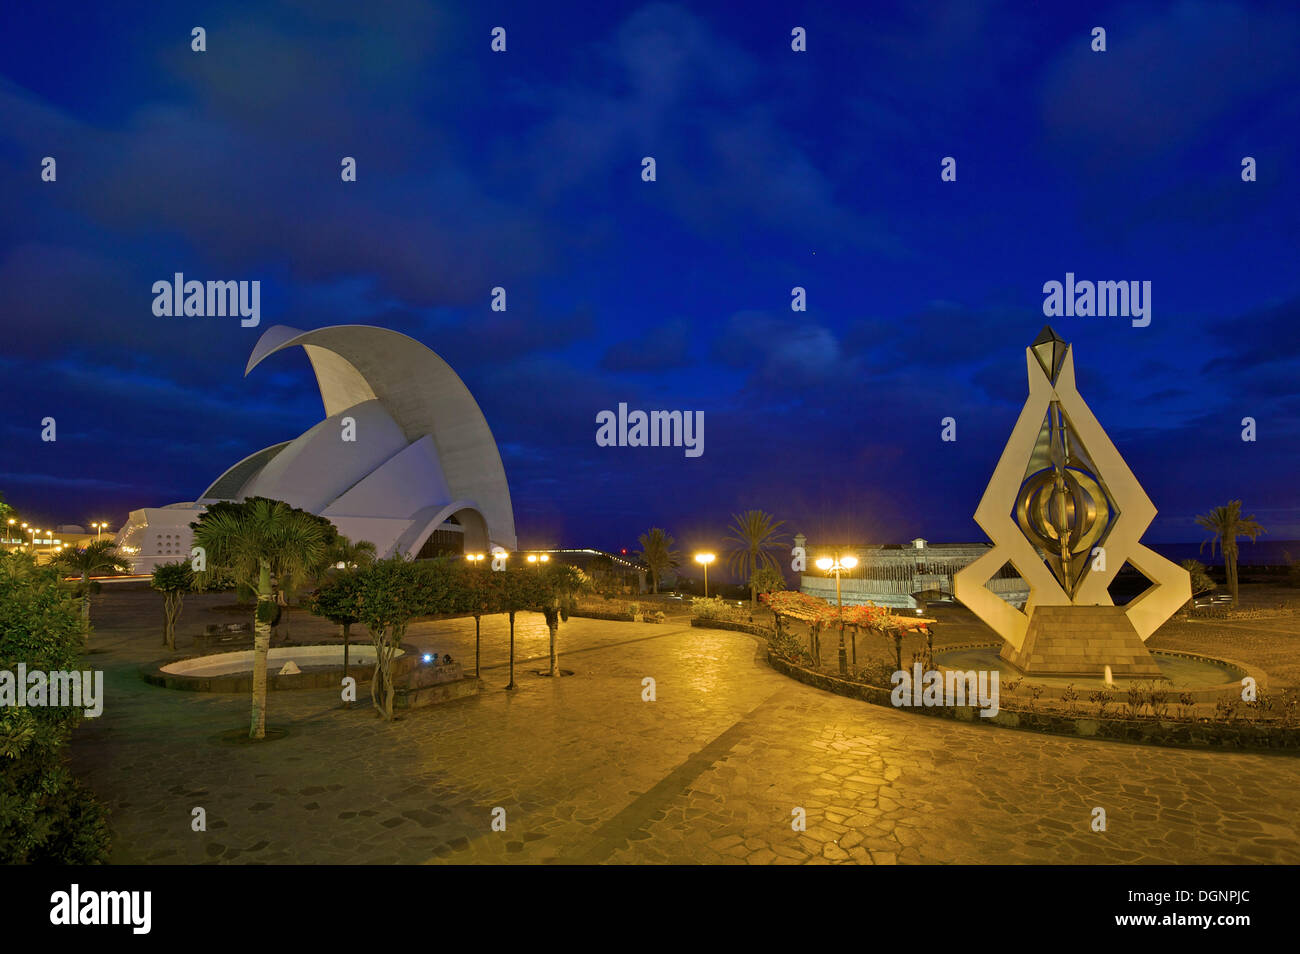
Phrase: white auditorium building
[404,457]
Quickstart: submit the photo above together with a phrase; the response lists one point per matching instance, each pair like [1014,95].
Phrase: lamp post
[704,559]
[9,537]
[476,561]
[839,565]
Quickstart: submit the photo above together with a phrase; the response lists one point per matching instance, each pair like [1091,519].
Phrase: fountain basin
[321,667]
[1205,678]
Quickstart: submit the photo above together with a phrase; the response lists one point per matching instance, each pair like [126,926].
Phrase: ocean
[1265,552]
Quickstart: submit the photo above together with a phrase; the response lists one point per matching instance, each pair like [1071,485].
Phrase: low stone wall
[1165,732]
[619,617]
[592,614]
[752,628]
[415,698]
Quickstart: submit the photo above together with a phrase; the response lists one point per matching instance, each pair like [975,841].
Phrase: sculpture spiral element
[1064,512]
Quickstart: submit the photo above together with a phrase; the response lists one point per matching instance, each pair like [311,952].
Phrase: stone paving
[712,771]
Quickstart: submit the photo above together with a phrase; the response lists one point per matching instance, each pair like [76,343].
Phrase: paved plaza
[712,771]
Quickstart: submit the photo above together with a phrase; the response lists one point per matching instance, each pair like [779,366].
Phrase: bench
[225,637]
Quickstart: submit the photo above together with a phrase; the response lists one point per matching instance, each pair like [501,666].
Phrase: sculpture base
[1082,641]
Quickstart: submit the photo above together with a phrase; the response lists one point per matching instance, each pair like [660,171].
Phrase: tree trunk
[172,604]
[85,603]
[554,627]
[376,638]
[753,595]
[282,626]
[477,644]
[512,650]
[383,679]
[347,632]
[1230,566]
[261,646]
[382,690]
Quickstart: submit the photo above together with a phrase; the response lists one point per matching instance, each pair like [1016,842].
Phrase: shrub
[45,814]
[788,648]
[880,674]
[1102,698]
[715,607]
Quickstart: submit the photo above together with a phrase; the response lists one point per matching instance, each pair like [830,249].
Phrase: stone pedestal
[417,684]
[1082,641]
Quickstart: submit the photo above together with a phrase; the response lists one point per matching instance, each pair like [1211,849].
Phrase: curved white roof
[421,443]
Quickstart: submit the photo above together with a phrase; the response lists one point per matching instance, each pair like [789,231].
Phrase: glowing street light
[839,565]
[476,558]
[100,527]
[536,558]
[704,559]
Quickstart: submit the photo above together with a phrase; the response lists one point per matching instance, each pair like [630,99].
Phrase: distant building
[904,575]
[621,570]
[404,457]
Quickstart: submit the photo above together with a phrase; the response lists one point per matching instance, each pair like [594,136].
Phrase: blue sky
[775,169]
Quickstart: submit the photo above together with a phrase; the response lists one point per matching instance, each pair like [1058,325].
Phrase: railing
[900,590]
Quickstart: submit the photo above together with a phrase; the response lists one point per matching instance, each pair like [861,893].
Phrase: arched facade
[403,452]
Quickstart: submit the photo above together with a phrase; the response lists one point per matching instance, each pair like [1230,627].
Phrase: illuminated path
[709,772]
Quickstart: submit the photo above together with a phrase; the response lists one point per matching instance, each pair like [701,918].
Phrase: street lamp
[539,558]
[99,528]
[9,537]
[839,565]
[705,559]
[475,558]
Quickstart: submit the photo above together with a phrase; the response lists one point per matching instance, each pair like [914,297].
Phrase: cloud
[663,347]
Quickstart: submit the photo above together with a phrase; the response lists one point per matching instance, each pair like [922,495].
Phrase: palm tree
[1227,524]
[6,512]
[350,555]
[1201,582]
[98,556]
[260,542]
[657,553]
[753,534]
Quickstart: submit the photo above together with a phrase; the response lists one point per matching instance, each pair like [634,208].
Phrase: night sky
[775,169]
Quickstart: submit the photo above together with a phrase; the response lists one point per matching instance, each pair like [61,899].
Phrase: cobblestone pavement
[711,771]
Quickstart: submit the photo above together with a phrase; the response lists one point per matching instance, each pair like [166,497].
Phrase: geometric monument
[1064,509]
